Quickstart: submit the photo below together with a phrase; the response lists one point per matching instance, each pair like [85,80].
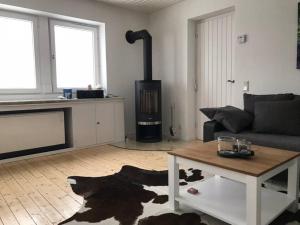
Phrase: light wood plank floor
[36,192]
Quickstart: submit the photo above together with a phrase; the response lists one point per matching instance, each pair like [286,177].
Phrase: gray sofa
[213,130]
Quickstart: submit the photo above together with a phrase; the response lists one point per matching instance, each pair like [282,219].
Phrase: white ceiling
[147,6]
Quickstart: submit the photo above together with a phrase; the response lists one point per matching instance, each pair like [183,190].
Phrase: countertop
[55,101]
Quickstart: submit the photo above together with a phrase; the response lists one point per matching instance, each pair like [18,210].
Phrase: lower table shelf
[226,200]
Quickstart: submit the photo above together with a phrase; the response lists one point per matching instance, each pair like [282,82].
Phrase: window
[17,54]
[75,53]
[43,55]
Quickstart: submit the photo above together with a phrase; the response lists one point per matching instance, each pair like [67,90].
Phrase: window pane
[75,66]
[17,55]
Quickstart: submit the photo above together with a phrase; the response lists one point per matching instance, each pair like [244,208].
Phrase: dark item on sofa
[209,112]
[232,118]
[281,117]
[250,100]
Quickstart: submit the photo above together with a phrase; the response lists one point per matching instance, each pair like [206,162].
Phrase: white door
[214,64]
[105,120]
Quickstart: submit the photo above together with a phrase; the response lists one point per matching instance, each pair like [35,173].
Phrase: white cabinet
[98,123]
[71,124]
[84,128]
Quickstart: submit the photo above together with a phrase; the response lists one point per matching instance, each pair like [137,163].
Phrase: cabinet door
[84,126]
[105,122]
[119,122]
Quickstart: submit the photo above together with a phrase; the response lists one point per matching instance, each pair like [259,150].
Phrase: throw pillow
[282,117]
[233,119]
[209,112]
[250,100]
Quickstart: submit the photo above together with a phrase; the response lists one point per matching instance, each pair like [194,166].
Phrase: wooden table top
[265,158]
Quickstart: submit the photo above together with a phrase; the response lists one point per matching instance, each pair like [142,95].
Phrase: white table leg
[293,185]
[173,182]
[253,200]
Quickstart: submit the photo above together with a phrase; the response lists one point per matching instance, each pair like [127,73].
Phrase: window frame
[63,23]
[34,20]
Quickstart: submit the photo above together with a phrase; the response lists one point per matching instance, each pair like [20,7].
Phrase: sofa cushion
[277,117]
[250,100]
[232,118]
[296,97]
[270,140]
[209,112]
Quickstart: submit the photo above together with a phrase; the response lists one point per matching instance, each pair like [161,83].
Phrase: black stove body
[148,111]
[147,95]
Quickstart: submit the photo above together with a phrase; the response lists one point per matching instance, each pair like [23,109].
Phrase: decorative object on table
[193,191]
[67,93]
[226,143]
[231,147]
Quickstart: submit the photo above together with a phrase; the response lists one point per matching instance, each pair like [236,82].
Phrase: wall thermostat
[242,39]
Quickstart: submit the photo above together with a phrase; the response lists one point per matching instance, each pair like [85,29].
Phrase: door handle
[231,81]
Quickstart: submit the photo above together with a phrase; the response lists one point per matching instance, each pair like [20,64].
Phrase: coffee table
[235,194]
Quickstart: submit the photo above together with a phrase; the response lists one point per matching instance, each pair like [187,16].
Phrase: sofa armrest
[209,129]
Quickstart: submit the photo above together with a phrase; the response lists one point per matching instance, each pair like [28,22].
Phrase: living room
[165,112]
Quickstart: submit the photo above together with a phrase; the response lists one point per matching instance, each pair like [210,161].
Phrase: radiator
[31,130]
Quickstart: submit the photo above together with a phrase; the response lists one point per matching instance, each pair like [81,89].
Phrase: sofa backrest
[250,100]
[296,97]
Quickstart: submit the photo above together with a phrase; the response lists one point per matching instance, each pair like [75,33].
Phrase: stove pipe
[131,37]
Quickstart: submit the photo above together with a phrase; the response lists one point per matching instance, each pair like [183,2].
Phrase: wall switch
[242,39]
[246,86]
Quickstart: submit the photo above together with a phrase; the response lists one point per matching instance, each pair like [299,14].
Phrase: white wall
[268,60]
[124,61]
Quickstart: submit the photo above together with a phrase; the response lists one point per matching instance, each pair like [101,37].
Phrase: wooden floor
[36,191]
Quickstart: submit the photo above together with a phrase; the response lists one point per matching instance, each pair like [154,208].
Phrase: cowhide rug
[135,196]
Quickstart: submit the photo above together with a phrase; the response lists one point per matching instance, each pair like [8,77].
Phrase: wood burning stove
[147,94]
[148,110]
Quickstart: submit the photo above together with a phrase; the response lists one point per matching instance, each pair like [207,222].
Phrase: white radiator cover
[31,130]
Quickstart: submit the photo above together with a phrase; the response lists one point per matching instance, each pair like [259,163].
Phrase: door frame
[192,81]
